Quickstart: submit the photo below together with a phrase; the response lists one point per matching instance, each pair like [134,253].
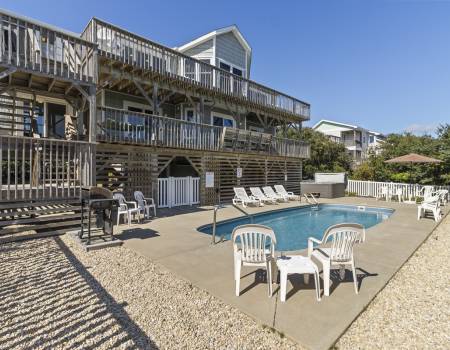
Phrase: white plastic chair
[241,196]
[269,192]
[145,204]
[256,248]
[340,253]
[290,195]
[386,193]
[125,209]
[431,204]
[399,194]
[258,194]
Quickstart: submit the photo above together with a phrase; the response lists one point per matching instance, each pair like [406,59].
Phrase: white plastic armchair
[399,194]
[290,195]
[339,253]
[258,194]
[269,192]
[126,208]
[241,196]
[145,204]
[430,204]
[256,247]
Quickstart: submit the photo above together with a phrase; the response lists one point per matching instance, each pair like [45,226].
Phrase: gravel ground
[53,295]
[413,310]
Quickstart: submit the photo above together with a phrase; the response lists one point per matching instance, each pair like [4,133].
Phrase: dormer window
[230,68]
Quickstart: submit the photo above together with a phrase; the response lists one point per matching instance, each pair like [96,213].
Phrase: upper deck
[140,53]
[31,46]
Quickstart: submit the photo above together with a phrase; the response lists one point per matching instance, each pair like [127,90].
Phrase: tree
[374,168]
[326,155]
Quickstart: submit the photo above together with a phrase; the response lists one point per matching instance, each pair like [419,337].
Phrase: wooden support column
[202,110]
[155,99]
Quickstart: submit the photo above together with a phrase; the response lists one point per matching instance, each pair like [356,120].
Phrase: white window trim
[244,71]
[184,109]
[222,115]
[142,106]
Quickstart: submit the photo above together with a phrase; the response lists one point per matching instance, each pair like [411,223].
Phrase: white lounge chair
[126,208]
[340,253]
[241,196]
[290,195]
[258,194]
[431,204]
[145,204]
[256,248]
[269,192]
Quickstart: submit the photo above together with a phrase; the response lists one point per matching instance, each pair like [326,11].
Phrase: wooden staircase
[21,220]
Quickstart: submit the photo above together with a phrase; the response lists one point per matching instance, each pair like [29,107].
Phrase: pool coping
[175,243]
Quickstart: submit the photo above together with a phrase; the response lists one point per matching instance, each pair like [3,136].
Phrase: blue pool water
[293,226]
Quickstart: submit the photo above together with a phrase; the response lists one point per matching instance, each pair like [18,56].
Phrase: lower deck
[130,168]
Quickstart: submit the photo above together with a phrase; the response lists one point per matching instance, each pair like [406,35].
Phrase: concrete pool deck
[174,242]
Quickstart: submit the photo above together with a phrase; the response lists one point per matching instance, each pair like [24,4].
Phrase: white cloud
[421,129]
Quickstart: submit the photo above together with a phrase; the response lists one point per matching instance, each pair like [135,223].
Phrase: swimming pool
[293,226]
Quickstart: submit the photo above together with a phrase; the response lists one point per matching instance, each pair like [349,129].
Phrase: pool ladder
[311,200]
[216,209]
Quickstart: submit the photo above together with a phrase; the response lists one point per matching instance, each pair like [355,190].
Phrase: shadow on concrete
[137,233]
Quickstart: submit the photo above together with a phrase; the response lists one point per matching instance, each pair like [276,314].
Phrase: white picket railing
[373,188]
[177,191]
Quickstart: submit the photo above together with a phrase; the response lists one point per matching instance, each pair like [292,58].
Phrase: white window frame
[222,115]
[185,109]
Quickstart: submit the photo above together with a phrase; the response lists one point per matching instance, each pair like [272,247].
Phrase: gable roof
[325,121]
[231,29]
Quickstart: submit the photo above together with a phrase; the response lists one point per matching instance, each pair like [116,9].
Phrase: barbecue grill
[97,202]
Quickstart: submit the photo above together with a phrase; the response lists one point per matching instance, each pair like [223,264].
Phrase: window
[139,110]
[231,68]
[237,71]
[56,120]
[224,66]
[371,139]
[223,121]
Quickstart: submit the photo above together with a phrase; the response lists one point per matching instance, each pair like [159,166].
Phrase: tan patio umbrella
[413,158]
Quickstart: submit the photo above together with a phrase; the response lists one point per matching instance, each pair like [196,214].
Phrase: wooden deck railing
[131,49]
[120,126]
[35,168]
[33,46]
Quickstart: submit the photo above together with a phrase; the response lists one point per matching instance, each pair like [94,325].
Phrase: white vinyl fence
[177,191]
[373,188]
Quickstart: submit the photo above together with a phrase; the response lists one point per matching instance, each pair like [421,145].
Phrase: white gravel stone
[413,310]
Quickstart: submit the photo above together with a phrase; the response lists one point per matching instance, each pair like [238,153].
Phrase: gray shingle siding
[230,49]
[203,50]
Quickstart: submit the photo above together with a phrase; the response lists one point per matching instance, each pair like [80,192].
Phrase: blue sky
[382,64]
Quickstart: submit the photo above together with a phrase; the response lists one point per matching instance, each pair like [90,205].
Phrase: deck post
[92,114]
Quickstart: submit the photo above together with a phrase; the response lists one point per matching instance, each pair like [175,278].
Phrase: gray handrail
[216,209]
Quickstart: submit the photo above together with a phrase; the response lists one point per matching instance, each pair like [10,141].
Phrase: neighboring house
[357,140]
[111,108]
[376,141]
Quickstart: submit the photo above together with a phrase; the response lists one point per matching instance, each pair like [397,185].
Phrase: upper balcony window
[230,68]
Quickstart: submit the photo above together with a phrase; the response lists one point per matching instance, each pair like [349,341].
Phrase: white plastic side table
[296,264]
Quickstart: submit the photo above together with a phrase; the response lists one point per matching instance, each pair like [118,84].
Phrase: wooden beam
[30,80]
[7,72]
[68,89]
[81,91]
[50,86]
[143,93]
[155,99]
